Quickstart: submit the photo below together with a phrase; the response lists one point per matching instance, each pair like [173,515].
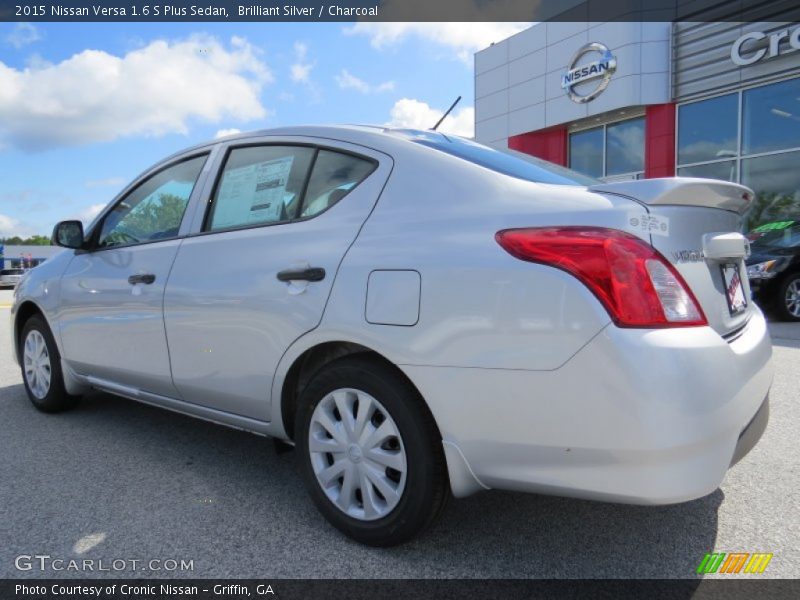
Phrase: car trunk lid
[695,224]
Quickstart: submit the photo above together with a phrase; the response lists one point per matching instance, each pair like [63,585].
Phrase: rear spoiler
[682,191]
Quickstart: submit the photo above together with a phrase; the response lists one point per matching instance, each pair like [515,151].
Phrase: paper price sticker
[648,224]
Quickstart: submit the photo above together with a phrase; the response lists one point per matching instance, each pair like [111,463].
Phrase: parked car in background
[774,268]
[420,316]
[10,277]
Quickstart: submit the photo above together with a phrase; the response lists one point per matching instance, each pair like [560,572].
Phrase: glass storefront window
[625,147]
[586,152]
[771,117]
[776,181]
[766,156]
[725,170]
[707,130]
[612,150]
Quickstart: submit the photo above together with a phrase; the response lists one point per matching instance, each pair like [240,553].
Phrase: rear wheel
[41,368]
[788,298]
[372,456]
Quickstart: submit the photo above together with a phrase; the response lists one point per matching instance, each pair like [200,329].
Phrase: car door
[257,275]
[111,317]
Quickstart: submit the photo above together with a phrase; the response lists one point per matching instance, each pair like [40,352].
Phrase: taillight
[635,283]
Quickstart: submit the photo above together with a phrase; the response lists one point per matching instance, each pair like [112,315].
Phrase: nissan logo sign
[743,52]
[602,68]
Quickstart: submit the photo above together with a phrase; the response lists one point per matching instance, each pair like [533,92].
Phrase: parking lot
[114,480]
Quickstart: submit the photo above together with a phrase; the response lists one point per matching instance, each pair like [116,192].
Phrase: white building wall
[518,80]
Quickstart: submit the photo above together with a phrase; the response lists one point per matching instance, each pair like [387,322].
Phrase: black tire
[426,488]
[780,304]
[56,399]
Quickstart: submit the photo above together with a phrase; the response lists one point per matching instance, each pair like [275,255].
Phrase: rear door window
[260,185]
[332,178]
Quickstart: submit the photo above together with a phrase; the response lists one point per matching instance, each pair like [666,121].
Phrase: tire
[787,300]
[398,470]
[38,349]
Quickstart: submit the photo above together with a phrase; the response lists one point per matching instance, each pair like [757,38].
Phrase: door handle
[307,274]
[146,278]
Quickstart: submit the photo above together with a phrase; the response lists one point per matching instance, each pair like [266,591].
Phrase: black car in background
[774,268]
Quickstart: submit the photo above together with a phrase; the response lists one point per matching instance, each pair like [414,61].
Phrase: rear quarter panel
[478,307]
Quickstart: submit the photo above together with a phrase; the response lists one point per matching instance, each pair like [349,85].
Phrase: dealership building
[629,100]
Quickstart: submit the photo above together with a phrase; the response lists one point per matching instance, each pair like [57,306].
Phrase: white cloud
[463,38]
[10,227]
[348,81]
[96,96]
[224,132]
[35,61]
[301,69]
[301,72]
[411,113]
[22,35]
[89,213]
[107,182]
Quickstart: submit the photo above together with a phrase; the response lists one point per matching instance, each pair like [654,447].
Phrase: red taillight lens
[635,283]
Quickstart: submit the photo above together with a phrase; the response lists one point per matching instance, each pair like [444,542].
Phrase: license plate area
[734,289]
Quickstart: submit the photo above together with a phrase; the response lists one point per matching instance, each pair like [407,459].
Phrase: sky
[86,107]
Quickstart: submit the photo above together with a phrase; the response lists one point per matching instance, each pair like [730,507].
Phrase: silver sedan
[420,316]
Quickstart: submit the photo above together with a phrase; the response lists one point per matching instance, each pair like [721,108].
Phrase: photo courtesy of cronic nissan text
[389,298]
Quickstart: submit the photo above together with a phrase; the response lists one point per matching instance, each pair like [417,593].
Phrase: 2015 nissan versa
[420,315]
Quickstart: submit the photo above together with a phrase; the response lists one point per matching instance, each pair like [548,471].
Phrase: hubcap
[357,454]
[793,298]
[36,362]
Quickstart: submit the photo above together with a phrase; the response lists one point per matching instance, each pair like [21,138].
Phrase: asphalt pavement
[115,480]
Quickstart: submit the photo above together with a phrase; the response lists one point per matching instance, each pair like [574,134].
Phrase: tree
[35,240]
[155,216]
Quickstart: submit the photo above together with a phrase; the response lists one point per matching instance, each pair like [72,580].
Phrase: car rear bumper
[636,416]
[752,432]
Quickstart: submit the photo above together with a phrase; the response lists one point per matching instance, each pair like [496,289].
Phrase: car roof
[345,132]
[378,137]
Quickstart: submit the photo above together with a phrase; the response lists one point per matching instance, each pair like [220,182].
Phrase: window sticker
[253,194]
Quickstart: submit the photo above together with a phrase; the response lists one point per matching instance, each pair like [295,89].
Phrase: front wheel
[371,455]
[41,368]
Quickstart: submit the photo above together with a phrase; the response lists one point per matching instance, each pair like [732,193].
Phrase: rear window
[510,162]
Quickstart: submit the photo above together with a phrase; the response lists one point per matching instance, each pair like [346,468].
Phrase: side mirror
[68,234]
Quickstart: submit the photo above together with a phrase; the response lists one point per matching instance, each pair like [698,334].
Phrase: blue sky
[86,107]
